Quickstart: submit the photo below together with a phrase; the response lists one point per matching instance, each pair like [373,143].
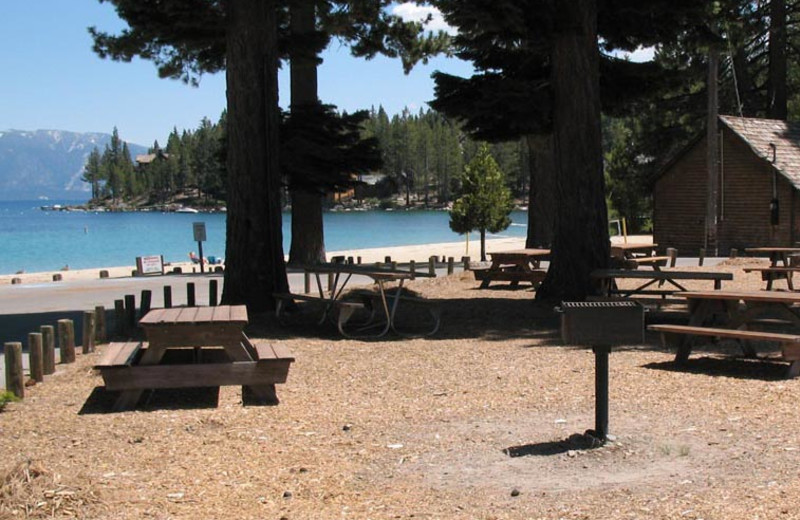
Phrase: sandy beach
[483,420]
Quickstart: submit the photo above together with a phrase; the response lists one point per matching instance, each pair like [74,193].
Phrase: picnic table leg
[262,394]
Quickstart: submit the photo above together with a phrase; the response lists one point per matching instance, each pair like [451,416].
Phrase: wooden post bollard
[48,349]
[35,356]
[119,318]
[130,314]
[358,260]
[412,267]
[350,260]
[190,299]
[212,293]
[99,324]
[16,281]
[145,302]
[57,277]
[432,266]
[387,259]
[15,378]
[734,252]
[465,261]
[103,273]
[330,281]
[167,296]
[88,332]
[66,340]
[306,282]
[672,253]
[450,265]
[701,256]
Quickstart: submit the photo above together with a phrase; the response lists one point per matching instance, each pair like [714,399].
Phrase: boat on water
[186,210]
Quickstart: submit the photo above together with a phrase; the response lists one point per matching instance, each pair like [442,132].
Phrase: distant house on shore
[148,158]
[759,181]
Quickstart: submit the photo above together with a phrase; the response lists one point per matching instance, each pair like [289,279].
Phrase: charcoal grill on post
[602,325]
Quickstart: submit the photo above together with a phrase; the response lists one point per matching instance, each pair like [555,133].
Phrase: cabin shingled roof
[760,133]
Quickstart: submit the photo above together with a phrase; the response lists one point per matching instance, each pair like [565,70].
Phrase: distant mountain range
[48,163]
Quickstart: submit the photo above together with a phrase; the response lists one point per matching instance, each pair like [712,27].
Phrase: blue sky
[52,80]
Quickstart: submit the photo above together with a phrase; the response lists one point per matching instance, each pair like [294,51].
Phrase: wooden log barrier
[36,356]
[48,349]
[130,314]
[465,262]
[212,293]
[87,333]
[100,324]
[450,265]
[66,340]
[15,378]
[432,266]
[190,297]
[387,259]
[167,296]
[119,318]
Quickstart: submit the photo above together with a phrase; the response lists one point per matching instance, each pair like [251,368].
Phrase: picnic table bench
[211,349]
[789,343]
[608,277]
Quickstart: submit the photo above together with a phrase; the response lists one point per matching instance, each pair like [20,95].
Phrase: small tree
[485,200]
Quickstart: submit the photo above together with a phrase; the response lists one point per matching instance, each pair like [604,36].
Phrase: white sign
[199,231]
[150,264]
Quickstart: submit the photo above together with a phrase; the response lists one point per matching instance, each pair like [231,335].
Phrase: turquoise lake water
[35,240]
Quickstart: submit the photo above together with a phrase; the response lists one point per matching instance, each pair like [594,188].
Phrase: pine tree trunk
[254,249]
[776,86]
[542,204]
[308,237]
[580,243]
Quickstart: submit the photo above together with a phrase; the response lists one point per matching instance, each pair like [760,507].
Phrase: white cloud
[410,11]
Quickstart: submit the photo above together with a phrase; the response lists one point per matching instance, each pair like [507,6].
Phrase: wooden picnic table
[778,256]
[608,280]
[218,350]
[387,300]
[732,313]
[779,264]
[514,266]
[633,255]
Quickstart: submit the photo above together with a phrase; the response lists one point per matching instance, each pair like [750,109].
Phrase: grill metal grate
[600,304]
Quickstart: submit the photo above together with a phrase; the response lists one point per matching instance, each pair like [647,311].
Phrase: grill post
[602,325]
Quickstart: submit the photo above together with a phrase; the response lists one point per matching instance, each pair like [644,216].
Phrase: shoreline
[406,253]
[418,253]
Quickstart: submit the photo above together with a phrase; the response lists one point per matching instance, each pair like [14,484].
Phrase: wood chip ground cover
[482,421]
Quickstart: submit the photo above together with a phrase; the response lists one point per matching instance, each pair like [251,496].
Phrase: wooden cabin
[758,202]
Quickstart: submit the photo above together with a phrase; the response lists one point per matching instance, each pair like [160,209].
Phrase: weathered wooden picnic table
[514,266]
[213,342]
[382,304]
[779,264]
[607,279]
[738,311]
